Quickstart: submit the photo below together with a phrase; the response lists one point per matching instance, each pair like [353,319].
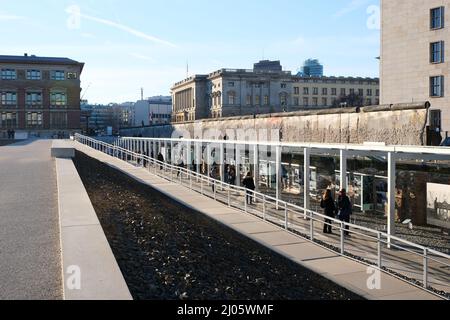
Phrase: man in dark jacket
[249,184]
[327,203]
[345,209]
[160,159]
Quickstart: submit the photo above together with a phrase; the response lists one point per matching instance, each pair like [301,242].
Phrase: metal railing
[424,267]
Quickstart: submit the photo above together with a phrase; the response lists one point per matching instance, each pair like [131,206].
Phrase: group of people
[11,134]
[342,208]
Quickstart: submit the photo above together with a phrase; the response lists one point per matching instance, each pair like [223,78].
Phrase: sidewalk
[345,272]
[29,230]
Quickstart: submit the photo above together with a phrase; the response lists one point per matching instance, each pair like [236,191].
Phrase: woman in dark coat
[327,203]
[345,209]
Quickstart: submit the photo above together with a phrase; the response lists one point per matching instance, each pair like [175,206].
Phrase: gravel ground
[166,251]
[431,237]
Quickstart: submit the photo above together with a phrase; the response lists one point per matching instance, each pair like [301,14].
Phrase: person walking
[327,203]
[160,159]
[345,209]
[249,184]
[214,174]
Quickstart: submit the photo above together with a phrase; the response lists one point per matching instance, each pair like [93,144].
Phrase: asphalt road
[30,263]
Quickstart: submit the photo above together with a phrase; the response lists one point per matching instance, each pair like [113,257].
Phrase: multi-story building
[311,68]
[189,101]
[39,96]
[153,111]
[414,56]
[324,92]
[233,92]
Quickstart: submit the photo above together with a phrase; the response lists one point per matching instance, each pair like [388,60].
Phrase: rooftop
[32,59]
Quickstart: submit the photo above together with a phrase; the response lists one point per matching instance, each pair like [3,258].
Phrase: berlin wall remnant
[400,124]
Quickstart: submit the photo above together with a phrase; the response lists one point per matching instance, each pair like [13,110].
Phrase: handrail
[375,235]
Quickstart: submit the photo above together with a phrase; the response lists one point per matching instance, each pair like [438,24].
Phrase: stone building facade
[323,92]
[414,56]
[39,96]
[189,101]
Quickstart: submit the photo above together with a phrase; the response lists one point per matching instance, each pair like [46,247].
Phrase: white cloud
[350,7]
[142,57]
[76,13]
[10,17]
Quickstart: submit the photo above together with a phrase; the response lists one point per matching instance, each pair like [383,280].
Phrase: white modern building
[153,111]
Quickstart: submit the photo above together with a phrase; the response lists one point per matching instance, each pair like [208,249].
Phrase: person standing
[214,174]
[327,203]
[160,159]
[345,209]
[249,184]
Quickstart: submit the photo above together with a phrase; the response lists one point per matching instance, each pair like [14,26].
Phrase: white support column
[172,154]
[222,162]
[238,164]
[198,156]
[256,166]
[306,180]
[166,151]
[278,173]
[391,195]
[189,155]
[208,159]
[343,168]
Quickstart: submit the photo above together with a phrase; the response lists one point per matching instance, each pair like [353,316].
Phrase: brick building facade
[39,96]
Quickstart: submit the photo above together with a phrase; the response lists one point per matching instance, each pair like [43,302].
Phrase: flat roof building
[40,96]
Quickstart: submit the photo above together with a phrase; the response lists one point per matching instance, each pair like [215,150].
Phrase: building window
[283,86]
[324,102]
[368,102]
[296,101]
[72,75]
[283,99]
[352,91]
[58,99]
[34,99]
[58,75]
[435,119]
[315,102]
[343,92]
[324,91]
[9,74]
[8,120]
[333,91]
[9,98]
[369,92]
[315,91]
[306,90]
[296,90]
[266,100]
[33,74]
[437,52]
[361,92]
[377,92]
[58,120]
[437,18]
[437,86]
[231,84]
[34,119]
[249,100]
[231,98]
[257,100]
[306,102]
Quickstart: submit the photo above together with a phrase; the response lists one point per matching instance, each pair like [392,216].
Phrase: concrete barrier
[63,149]
[89,268]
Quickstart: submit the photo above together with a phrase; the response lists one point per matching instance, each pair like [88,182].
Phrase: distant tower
[142,94]
[311,68]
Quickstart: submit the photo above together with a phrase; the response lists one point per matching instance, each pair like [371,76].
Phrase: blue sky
[131,44]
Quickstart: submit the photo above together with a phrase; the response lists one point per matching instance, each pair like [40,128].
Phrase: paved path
[29,230]
[345,272]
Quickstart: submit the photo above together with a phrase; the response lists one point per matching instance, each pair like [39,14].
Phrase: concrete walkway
[29,230]
[345,272]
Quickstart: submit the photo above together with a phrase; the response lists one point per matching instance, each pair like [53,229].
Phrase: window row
[334,91]
[58,120]
[326,102]
[57,99]
[58,75]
